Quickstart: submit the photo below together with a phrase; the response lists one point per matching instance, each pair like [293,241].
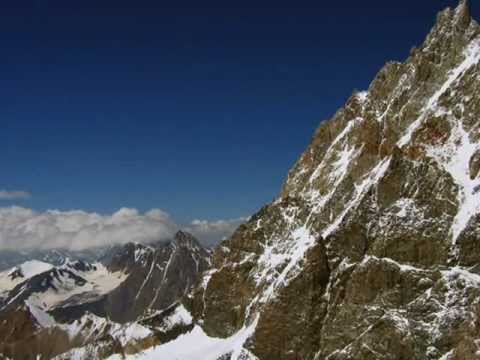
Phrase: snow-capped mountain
[56,257]
[92,307]
[10,278]
[56,286]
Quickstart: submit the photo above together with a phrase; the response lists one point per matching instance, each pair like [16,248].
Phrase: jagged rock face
[23,337]
[157,276]
[368,251]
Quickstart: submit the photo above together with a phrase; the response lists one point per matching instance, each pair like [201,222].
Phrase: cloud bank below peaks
[22,228]
[212,232]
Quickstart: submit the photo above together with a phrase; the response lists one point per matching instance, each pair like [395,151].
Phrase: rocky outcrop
[158,276]
[25,336]
[27,333]
[371,249]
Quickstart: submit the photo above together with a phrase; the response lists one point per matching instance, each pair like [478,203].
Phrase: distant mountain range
[126,284]
[9,258]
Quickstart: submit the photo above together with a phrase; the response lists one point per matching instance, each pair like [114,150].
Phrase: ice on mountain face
[370,179]
[91,327]
[179,317]
[362,96]
[448,356]
[339,144]
[409,218]
[42,318]
[405,206]
[333,168]
[460,286]
[32,268]
[402,267]
[289,258]
[88,325]
[331,152]
[471,58]
[147,278]
[103,281]
[130,333]
[454,157]
[283,253]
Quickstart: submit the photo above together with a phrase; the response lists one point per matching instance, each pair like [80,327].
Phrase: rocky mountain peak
[452,25]
[185,239]
[376,224]
[158,274]
[182,235]
[462,14]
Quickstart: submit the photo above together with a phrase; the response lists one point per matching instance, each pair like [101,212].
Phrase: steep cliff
[371,250]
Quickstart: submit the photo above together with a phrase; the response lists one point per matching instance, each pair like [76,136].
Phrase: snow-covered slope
[57,285]
[64,286]
[10,278]
[140,335]
[195,345]
[41,317]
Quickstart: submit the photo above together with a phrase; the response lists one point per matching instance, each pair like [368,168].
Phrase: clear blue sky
[199,109]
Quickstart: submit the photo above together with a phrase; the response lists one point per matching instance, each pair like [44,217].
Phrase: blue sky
[199,111]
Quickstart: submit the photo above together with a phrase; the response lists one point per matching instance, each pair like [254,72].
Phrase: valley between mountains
[370,251]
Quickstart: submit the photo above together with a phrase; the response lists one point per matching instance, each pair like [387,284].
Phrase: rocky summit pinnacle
[185,239]
[462,12]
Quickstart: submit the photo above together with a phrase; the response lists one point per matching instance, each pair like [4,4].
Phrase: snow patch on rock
[471,58]
[454,157]
[197,345]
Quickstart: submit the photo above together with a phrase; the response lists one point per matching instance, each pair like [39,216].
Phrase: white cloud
[14,195]
[211,232]
[22,228]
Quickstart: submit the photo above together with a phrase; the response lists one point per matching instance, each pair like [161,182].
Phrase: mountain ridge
[99,307]
[381,206]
